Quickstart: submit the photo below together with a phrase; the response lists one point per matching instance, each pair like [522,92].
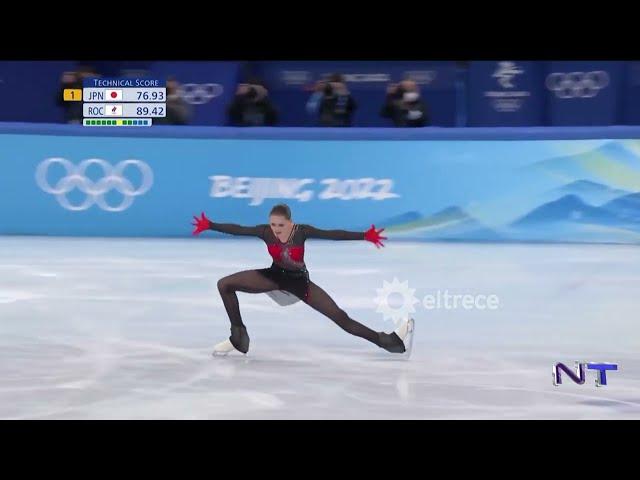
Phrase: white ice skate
[240,339]
[223,348]
[405,332]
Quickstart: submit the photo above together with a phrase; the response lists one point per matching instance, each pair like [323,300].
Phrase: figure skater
[287,279]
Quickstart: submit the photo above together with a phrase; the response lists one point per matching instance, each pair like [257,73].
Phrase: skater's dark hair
[282,210]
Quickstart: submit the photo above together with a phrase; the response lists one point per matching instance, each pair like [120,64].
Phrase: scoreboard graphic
[120,102]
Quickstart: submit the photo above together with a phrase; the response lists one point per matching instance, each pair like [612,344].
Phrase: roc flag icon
[113,110]
[113,95]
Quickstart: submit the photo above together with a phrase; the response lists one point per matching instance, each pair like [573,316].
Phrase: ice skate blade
[407,331]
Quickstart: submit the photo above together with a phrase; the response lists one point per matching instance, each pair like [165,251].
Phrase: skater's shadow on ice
[385,357]
[311,358]
[258,360]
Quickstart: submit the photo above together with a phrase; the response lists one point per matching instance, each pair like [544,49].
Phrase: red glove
[372,235]
[201,224]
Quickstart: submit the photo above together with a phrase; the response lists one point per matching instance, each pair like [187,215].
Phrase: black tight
[320,301]
[250,281]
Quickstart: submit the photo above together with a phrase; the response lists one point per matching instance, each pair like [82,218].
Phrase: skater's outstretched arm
[203,223]
[372,235]
[233,229]
[313,232]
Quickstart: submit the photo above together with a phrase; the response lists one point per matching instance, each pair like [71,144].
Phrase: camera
[251,94]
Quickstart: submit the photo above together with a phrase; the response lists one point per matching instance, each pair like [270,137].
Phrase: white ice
[124,329]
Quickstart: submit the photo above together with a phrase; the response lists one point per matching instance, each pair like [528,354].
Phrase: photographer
[404,105]
[251,107]
[332,103]
[178,111]
[73,80]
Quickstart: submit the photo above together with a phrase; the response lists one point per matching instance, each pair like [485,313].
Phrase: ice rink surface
[124,328]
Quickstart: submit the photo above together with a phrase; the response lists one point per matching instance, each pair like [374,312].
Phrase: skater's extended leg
[320,300]
[249,281]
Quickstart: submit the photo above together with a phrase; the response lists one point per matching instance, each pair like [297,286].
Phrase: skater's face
[280,225]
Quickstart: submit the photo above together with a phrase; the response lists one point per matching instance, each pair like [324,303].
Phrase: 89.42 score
[155,111]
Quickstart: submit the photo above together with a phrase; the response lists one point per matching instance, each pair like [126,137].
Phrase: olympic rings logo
[113,178]
[577,84]
[200,93]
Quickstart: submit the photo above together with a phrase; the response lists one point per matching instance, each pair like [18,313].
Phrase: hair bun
[281,209]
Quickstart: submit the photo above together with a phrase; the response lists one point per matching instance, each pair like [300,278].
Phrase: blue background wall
[487,93]
[541,184]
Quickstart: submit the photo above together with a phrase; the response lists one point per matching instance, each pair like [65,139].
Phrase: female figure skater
[288,273]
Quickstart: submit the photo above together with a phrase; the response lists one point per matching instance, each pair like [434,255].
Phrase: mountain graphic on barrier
[626,208]
[403,218]
[572,219]
[452,223]
[591,192]
[569,208]
[621,213]
[588,165]
[569,217]
[580,199]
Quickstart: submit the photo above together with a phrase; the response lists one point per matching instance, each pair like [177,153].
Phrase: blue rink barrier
[563,184]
